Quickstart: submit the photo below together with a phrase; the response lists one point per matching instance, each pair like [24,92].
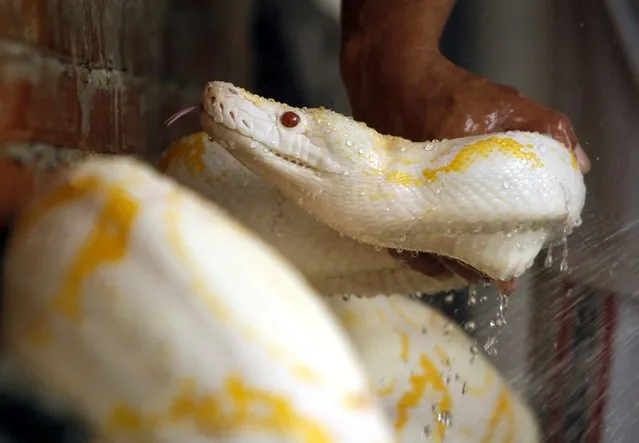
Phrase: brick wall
[102,75]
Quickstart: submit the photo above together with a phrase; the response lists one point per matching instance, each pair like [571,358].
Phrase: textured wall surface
[102,75]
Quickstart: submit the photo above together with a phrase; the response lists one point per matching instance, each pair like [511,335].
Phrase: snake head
[279,140]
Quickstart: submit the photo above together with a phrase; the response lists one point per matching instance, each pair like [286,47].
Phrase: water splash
[498,324]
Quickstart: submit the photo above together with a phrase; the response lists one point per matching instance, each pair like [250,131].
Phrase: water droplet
[426,432]
[402,237]
[470,326]
[498,323]
[507,183]
[445,418]
[414,254]
[548,261]
[563,266]
[378,248]
[350,143]
[448,327]
[346,297]
[450,298]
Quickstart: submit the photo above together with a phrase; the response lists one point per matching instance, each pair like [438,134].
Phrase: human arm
[399,83]
[390,54]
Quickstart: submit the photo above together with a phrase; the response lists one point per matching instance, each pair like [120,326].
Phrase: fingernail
[582,159]
[506,287]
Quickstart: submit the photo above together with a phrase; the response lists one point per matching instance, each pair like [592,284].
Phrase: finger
[530,116]
[426,264]
[582,159]
[506,287]
[563,132]
[463,270]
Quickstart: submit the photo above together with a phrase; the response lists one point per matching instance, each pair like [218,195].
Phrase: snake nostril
[246,124]
[232,115]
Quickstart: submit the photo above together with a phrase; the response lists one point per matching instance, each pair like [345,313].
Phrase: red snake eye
[290,119]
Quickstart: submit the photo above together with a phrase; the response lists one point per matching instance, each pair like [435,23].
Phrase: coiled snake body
[329,192]
[159,317]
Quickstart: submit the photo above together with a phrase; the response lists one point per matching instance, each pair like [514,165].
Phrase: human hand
[434,99]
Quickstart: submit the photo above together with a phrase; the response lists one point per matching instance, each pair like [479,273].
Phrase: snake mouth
[217,127]
[291,159]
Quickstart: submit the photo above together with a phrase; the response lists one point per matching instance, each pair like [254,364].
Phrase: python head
[295,147]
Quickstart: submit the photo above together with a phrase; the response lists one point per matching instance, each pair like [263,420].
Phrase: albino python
[329,193]
[154,312]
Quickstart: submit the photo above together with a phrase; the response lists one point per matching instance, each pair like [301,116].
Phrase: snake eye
[289,119]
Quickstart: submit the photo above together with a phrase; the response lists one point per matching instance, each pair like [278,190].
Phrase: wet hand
[435,99]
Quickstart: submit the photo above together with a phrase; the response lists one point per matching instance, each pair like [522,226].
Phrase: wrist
[404,21]
[386,42]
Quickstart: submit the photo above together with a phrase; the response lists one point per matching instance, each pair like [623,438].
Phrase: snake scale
[193,304]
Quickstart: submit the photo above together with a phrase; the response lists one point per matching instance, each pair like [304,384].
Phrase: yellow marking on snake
[477,391]
[189,150]
[238,407]
[482,149]
[401,314]
[405,346]
[196,283]
[198,287]
[350,319]
[402,178]
[411,399]
[107,243]
[387,390]
[362,400]
[502,413]
[60,196]
[443,356]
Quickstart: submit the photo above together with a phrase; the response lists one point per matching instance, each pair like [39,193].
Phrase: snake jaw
[238,120]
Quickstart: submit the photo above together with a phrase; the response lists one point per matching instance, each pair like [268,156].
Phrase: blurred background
[103,75]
